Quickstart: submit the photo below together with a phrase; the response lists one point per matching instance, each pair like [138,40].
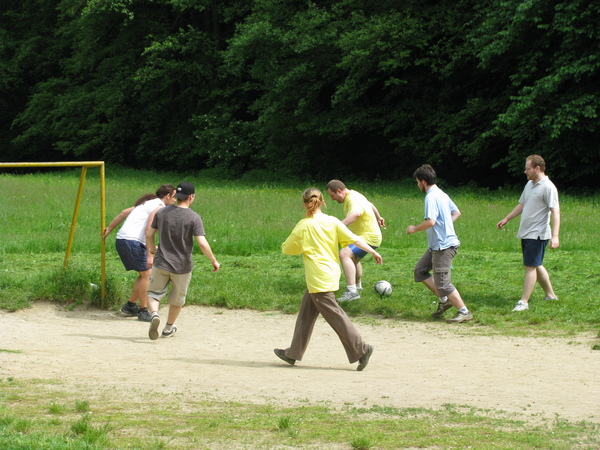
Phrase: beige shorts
[159,284]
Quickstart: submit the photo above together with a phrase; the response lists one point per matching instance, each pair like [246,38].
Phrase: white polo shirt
[537,200]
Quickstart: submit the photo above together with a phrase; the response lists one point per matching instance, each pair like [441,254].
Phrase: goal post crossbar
[84,166]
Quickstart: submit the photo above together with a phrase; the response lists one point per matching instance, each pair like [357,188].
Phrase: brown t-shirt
[177,228]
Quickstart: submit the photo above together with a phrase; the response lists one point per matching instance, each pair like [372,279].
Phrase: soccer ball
[383,288]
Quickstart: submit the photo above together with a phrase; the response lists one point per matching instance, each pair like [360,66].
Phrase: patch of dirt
[228,355]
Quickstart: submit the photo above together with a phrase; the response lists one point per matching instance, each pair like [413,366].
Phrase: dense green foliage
[338,88]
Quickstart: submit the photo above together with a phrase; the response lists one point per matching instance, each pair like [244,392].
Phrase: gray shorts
[440,261]
[159,284]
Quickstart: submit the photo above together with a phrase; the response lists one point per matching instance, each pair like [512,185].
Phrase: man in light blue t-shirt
[440,214]
[538,203]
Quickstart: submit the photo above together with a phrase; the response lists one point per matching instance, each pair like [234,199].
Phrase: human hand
[377,257]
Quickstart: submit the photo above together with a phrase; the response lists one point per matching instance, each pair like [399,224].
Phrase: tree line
[305,89]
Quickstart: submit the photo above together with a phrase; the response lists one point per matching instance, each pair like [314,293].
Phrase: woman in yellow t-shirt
[317,238]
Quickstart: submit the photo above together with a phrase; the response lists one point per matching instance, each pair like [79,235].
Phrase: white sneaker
[521,306]
[349,296]
[550,298]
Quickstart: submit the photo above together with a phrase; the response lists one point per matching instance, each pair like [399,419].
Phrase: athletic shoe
[169,333]
[521,306]
[144,315]
[130,310]
[550,298]
[281,354]
[442,308]
[154,323]
[461,317]
[362,362]
[349,296]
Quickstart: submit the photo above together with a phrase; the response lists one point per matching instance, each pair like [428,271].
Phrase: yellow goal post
[84,166]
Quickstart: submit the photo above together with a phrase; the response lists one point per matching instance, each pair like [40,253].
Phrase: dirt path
[228,355]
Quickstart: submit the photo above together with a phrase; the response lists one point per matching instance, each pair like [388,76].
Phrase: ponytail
[313,200]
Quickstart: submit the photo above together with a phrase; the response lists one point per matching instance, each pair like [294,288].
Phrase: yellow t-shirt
[366,225]
[318,239]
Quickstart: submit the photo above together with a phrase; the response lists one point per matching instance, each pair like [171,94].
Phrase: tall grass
[246,222]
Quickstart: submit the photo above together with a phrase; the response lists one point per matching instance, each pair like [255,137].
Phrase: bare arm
[367,248]
[455,215]
[116,221]
[514,213]
[207,251]
[351,218]
[150,256]
[555,218]
[380,220]
[426,224]
[150,241]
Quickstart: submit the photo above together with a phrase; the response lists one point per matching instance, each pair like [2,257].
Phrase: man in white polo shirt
[537,205]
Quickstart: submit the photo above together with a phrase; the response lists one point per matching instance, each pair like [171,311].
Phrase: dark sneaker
[281,353]
[154,323]
[442,308]
[169,333]
[461,317]
[362,362]
[144,315]
[129,310]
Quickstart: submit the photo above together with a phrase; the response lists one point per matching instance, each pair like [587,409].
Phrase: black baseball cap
[184,190]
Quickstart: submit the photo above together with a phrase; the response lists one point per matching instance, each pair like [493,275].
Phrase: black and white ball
[383,288]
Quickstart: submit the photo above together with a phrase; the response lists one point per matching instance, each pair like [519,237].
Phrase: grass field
[246,222]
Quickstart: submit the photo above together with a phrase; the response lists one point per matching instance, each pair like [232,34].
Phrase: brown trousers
[324,303]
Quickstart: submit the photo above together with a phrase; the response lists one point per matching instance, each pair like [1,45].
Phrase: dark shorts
[533,251]
[359,253]
[133,255]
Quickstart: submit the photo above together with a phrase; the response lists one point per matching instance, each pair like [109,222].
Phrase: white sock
[168,327]
[443,299]
[352,288]
[463,310]
[359,285]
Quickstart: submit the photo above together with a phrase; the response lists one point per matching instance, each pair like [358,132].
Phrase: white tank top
[134,227]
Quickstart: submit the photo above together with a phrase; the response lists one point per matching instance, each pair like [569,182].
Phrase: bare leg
[456,299]
[359,271]
[173,313]
[430,283]
[544,279]
[140,288]
[528,283]
[349,266]
[153,305]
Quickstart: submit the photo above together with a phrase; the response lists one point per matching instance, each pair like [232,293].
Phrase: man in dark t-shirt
[177,227]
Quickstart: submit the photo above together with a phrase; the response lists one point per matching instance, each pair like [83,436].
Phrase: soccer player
[440,214]
[317,238]
[364,220]
[538,204]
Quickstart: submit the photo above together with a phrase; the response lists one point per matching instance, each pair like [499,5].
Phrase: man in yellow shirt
[364,220]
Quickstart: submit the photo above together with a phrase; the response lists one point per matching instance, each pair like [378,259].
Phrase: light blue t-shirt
[439,207]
